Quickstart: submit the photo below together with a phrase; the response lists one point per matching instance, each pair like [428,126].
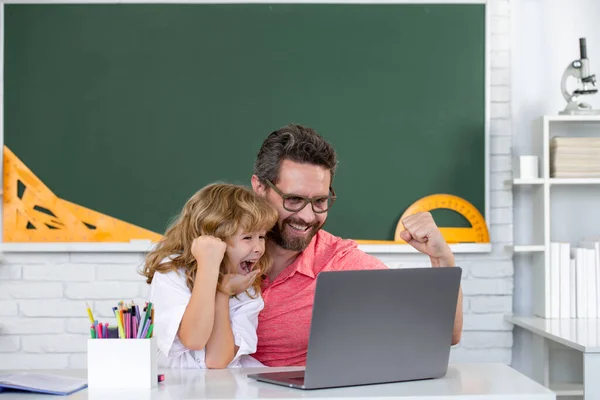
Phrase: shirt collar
[305,261]
[303,264]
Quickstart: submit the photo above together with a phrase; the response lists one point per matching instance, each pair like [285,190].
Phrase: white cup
[529,167]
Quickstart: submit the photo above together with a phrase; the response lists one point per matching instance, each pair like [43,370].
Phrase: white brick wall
[48,318]
[42,296]
[43,322]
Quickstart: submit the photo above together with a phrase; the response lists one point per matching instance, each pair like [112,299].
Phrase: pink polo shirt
[284,323]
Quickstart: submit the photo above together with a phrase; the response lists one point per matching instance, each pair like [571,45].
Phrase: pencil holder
[122,363]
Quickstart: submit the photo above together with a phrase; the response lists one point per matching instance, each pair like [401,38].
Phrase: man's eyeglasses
[295,203]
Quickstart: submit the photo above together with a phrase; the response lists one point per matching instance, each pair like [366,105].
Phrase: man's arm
[422,233]
[458,319]
[448,261]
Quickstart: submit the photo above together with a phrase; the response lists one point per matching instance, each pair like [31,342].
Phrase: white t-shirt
[170,295]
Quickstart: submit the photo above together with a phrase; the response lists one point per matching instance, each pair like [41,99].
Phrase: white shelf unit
[567,389]
[574,181]
[554,181]
[579,335]
[519,181]
[528,248]
[553,202]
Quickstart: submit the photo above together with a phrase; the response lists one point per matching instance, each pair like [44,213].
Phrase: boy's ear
[258,187]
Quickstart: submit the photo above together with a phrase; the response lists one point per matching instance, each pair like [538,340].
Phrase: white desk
[582,335]
[463,381]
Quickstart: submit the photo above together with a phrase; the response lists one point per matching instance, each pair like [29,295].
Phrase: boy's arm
[197,322]
[220,348]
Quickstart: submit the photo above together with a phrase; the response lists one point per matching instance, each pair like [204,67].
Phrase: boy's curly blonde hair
[218,210]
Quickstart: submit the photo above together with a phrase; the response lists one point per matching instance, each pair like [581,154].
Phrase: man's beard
[280,235]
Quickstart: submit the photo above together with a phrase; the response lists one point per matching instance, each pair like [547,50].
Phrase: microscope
[579,69]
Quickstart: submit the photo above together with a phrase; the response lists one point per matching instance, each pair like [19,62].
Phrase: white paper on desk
[45,383]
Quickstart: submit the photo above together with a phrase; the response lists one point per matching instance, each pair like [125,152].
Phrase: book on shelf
[592,247]
[564,281]
[555,272]
[575,157]
[568,286]
[580,286]
[572,289]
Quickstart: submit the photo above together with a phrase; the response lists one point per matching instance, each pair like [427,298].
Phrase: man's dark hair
[295,143]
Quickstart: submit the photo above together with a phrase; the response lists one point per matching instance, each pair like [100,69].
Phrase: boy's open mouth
[247,265]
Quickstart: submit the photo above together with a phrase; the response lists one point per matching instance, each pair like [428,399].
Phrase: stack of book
[575,157]
[570,283]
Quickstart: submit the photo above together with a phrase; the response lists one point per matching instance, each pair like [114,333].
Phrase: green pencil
[149,334]
[148,311]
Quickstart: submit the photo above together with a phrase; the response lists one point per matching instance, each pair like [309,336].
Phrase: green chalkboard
[128,109]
